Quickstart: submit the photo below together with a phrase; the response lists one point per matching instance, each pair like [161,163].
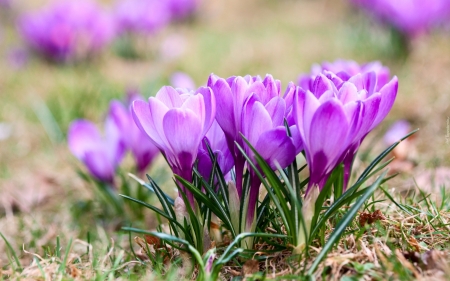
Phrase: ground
[42,195]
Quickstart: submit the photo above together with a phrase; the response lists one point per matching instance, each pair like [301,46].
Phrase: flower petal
[388,95]
[328,132]
[169,96]
[183,131]
[275,146]
[210,107]
[256,120]
[99,165]
[82,137]
[144,119]
[225,112]
[276,108]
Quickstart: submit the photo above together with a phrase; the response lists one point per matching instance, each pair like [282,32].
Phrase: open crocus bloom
[335,116]
[101,155]
[177,121]
[67,30]
[232,94]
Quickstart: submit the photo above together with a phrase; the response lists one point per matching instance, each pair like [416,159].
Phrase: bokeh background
[39,184]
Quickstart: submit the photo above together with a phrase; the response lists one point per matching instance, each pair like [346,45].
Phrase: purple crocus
[142,148]
[263,126]
[345,69]
[410,17]
[100,154]
[68,30]
[334,116]
[252,106]
[177,121]
[232,94]
[141,16]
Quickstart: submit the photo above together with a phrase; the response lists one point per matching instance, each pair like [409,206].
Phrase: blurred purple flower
[410,17]
[142,148]
[218,144]
[141,16]
[181,9]
[68,30]
[182,80]
[345,69]
[397,131]
[101,155]
[334,116]
[177,121]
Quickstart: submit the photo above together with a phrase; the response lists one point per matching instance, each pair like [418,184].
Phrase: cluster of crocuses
[328,117]
[72,30]
[410,17]
[103,154]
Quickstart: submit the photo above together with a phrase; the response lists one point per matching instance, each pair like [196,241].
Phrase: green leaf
[382,155]
[16,259]
[344,222]
[153,208]
[277,194]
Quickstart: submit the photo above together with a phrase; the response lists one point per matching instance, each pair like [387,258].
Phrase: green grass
[67,234]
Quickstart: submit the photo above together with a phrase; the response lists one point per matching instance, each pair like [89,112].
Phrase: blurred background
[43,88]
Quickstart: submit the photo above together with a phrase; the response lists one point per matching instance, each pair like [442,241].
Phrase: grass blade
[344,222]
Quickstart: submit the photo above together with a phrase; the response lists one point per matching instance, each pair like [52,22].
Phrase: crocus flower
[181,9]
[142,148]
[252,106]
[334,116]
[67,30]
[345,69]
[141,16]
[177,121]
[232,94]
[410,17]
[100,154]
[263,126]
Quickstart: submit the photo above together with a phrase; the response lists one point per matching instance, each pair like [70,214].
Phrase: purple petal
[82,137]
[310,106]
[99,165]
[388,95]
[276,108]
[169,96]
[321,85]
[143,118]
[275,146]
[183,131]
[328,132]
[256,120]
[348,93]
[210,107]
[225,112]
